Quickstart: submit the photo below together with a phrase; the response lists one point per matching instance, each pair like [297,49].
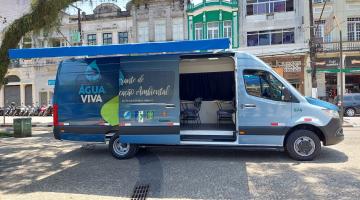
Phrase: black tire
[350,112]
[132,149]
[305,137]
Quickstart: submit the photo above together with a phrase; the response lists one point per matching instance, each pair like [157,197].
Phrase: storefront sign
[290,66]
[352,62]
[327,63]
[51,82]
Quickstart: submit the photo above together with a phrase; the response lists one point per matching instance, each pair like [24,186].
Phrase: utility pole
[79,26]
[341,71]
[341,78]
[312,51]
[79,23]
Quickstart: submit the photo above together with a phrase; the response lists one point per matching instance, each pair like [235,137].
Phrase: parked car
[351,104]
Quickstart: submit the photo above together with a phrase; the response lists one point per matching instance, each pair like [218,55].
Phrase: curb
[32,125]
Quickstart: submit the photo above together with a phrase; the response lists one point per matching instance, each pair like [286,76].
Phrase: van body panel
[149,103]
[260,121]
[83,86]
[151,139]
[82,137]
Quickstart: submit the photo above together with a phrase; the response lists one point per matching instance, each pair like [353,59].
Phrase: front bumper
[333,132]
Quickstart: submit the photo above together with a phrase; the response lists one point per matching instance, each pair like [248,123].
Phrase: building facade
[158,20]
[210,19]
[347,17]
[275,31]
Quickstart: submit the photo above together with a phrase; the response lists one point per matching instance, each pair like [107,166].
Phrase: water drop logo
[92,72]
[121,78]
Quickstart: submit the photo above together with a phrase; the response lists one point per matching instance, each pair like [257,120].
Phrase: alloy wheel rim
[304,146]
[120,148]
[350,112]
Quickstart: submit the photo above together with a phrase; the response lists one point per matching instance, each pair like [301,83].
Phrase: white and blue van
[227,99]
[143,97]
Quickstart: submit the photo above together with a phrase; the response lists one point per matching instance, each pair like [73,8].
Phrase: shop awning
[136,48]
[346,70]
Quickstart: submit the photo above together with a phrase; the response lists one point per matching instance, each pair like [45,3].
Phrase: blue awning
[138,48]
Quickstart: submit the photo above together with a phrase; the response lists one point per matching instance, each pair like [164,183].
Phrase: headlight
[331,113]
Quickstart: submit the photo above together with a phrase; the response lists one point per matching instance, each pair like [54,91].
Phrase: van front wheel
[303,145]
[121,150]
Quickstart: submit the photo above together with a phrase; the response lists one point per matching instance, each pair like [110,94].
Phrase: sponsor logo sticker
[127,115]
[140,116]
[150,115]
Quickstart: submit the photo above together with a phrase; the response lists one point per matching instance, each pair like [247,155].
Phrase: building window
[271,37]
[213,30]
[259,7]
[143,32]
[160,30]
[27,41]
[319,32]
[91,39]
[198,31]
[353,28]
[107,38]
[177,29]
[123,37]
[227,29]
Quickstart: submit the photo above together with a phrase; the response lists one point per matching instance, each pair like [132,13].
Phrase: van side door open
[149,100]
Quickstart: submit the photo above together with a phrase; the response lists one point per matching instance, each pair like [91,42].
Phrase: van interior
[207,97]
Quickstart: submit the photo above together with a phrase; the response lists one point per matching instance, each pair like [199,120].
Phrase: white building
[159,20]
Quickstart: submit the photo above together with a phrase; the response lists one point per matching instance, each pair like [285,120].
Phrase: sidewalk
[35,121]
[351,122]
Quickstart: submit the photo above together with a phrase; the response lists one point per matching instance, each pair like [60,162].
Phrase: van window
[357,98]
[263,84]
[347,98]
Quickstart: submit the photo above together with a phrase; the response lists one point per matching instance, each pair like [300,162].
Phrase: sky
[85,6]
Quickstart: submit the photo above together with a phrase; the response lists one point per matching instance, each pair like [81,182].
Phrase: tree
[43,13]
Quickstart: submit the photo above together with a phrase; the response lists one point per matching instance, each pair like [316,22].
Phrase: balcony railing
[230,3]
[335,46]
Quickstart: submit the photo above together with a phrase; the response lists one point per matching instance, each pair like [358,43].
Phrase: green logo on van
[92,72]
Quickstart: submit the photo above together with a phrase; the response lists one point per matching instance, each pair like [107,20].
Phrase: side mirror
[286,95]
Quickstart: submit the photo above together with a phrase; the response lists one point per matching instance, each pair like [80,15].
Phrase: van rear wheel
[303,145]
[120,150]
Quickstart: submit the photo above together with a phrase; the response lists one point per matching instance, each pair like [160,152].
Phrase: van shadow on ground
[171,173]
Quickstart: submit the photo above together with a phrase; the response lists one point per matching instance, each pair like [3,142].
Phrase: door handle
[170,106]
[248,106]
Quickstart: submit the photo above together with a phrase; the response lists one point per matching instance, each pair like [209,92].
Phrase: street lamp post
[341,79]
